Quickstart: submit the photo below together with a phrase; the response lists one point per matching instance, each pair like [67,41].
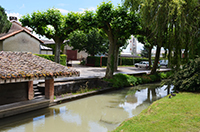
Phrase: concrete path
[98,72]
[86,71]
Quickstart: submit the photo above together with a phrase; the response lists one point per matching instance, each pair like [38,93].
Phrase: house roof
[18,65]
[15,29]
[52,41]
[42,47]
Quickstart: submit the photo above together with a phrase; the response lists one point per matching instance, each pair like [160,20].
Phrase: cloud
[63,11]
[88,9]
[14,14]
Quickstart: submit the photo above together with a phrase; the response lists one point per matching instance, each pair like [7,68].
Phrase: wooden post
[49,89]
[30,90]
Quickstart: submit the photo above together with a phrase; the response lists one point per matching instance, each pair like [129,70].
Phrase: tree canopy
[53,25]
[92,42]
[174,25]
[4,22]
[118,23]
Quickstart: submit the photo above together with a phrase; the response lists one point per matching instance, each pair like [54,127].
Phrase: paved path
[94,72]
[86,71]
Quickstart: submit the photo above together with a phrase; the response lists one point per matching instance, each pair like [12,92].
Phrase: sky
[19,8]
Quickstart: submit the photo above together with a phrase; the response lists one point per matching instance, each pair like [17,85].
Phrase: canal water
[99,113]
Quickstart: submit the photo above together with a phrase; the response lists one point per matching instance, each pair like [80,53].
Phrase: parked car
[142,64]
[163,63]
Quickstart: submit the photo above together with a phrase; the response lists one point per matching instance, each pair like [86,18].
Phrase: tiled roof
[18,65]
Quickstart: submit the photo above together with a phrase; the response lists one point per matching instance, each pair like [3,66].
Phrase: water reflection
[97,113]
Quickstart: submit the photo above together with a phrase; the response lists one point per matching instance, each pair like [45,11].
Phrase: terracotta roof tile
[26,65]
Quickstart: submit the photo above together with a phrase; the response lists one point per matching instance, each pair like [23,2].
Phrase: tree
[174,25]
[118,24]
[53,25]
[92,42]
[4,22]
[145,52]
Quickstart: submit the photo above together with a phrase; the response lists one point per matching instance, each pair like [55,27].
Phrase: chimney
[12,18]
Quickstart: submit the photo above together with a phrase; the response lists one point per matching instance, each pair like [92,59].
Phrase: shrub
[139,80]
[146,79]
[95,61]
[132,80]
[153,78]
[162,75]
[188,78]
[51,57]
[122,80]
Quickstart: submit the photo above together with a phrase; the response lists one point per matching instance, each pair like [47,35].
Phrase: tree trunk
[57,50]
[149,55]
[169,58]
[110,61]
[116,55]
[155,64]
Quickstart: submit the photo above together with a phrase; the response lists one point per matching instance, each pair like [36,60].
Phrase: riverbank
[177,114]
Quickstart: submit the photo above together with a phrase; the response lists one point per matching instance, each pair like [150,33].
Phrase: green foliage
[52,24]
[132,80]
[162,75]
[188,78]
[4,22]
[53,46]
[92,42]
[95,61]
[119,80]
[51,57]
[145,52]
[125,61]
[123,80]
[118,24]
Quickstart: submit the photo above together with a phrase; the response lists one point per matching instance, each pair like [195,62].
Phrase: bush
[132,80]
[139,80]
[162,75]
[146,79]
[51,57]
[188,78]
[122,80]
[95,61]
[153,78]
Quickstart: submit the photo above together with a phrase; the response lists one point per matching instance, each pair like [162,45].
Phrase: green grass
[178,114]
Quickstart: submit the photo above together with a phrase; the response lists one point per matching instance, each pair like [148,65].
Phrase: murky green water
[99,113]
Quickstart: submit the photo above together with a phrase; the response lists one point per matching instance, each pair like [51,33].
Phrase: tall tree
[174,25]
[92,42]
[118,23]
[53,25]
[4,23]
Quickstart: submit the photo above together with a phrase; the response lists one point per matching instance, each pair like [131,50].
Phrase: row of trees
[117,24]
[172,24]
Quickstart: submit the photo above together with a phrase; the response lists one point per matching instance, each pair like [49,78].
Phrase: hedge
[95,61]
[123,80]
[51,57]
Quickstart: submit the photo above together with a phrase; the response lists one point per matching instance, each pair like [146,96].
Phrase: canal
[99,113]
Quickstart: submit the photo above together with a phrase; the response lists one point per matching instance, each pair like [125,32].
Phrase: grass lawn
[181,113]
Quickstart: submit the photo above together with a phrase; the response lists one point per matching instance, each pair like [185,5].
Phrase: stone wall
[75,85]
[13,92]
